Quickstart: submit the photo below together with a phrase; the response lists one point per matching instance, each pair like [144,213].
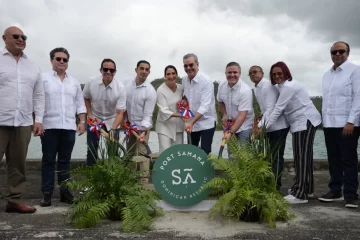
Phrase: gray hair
[191,55]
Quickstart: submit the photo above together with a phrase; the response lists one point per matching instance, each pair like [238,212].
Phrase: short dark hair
[142,61]
[284,69]
[170,66]
[260,68]
[230,64]
[107,60]
[59,49]
[347,45]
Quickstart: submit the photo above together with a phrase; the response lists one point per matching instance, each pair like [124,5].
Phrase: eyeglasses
[253,72]
[280,74]
[65,60]
[112,70]
[191,65]
[17,36]
[341,51]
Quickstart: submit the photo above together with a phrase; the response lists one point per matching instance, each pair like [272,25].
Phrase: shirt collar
[260,84]
[5,51]
[144,84]
[342,66]
[196,78]
[55,74]
[100,81]
[236,86]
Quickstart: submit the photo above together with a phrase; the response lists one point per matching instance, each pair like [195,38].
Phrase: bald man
[341,115]
[22,104]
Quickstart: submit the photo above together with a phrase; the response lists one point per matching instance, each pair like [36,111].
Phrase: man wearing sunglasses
[266,95]
[63,101]
[199,90]
[340,113]
[105,100]
[22,103]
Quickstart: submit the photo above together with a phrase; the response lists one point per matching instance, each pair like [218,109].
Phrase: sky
[250,32]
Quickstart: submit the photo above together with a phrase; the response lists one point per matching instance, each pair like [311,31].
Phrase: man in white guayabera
[199,90]
[340,114]
[21,95]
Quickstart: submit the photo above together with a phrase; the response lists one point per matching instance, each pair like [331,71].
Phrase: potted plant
[113,192]
[246,186]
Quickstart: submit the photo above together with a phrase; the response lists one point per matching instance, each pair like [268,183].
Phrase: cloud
[161,31]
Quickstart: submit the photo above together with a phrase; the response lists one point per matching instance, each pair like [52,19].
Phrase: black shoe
[351,203]
[46,200]
[67,197]
[331,197]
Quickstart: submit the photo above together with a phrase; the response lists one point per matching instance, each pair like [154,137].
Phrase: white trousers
[165,142]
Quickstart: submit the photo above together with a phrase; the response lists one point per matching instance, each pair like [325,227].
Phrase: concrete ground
[314,220]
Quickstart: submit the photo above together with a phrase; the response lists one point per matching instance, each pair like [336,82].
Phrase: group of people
[47,105]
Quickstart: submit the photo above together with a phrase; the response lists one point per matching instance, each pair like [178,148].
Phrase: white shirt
[140,103]
[341,96]
[267,95]
[298,108]
[105,100]
[200,94]
[167,103]
[21,91]
[237,99]
[63,100]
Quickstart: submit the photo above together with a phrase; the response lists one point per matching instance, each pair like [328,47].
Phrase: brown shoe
[19,208]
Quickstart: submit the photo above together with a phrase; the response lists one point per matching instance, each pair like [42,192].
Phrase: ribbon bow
[185,111]
[128,129]
[95,126]
[228,125]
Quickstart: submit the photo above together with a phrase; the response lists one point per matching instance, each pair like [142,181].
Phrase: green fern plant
[246,186]
[113,192]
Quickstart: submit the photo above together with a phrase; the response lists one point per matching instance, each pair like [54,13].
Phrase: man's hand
[227,136]
[348,129]
[81,128]
[142,135]
[224,120]
[257,131]
[92,118]
[38,129]
[189,127]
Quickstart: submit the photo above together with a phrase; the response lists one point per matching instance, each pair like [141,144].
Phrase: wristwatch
[82,121]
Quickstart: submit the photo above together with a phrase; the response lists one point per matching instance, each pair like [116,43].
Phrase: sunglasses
[65,60]
[253,72]
[191,65]
[17,36]
[341,51]
[112,70]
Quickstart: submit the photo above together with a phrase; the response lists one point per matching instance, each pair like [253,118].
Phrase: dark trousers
[60,143]
[92,141]
[343,161]
[277,141]
[14,143]
[206,137]
[303,142]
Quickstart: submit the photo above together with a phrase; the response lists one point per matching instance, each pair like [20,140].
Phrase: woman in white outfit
[169,125]
[303,118]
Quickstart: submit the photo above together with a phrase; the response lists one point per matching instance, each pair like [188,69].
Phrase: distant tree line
[317,100]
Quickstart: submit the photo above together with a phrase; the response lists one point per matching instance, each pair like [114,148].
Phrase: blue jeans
[243,136]
[60,143]
[277,144]
[206,137]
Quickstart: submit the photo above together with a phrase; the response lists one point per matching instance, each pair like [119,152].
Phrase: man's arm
[39,105]
[80,109]
[205,104]
[120,108]
[355,106]
[146,123]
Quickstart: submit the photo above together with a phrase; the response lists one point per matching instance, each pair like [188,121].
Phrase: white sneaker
[293,200]
[309,194]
